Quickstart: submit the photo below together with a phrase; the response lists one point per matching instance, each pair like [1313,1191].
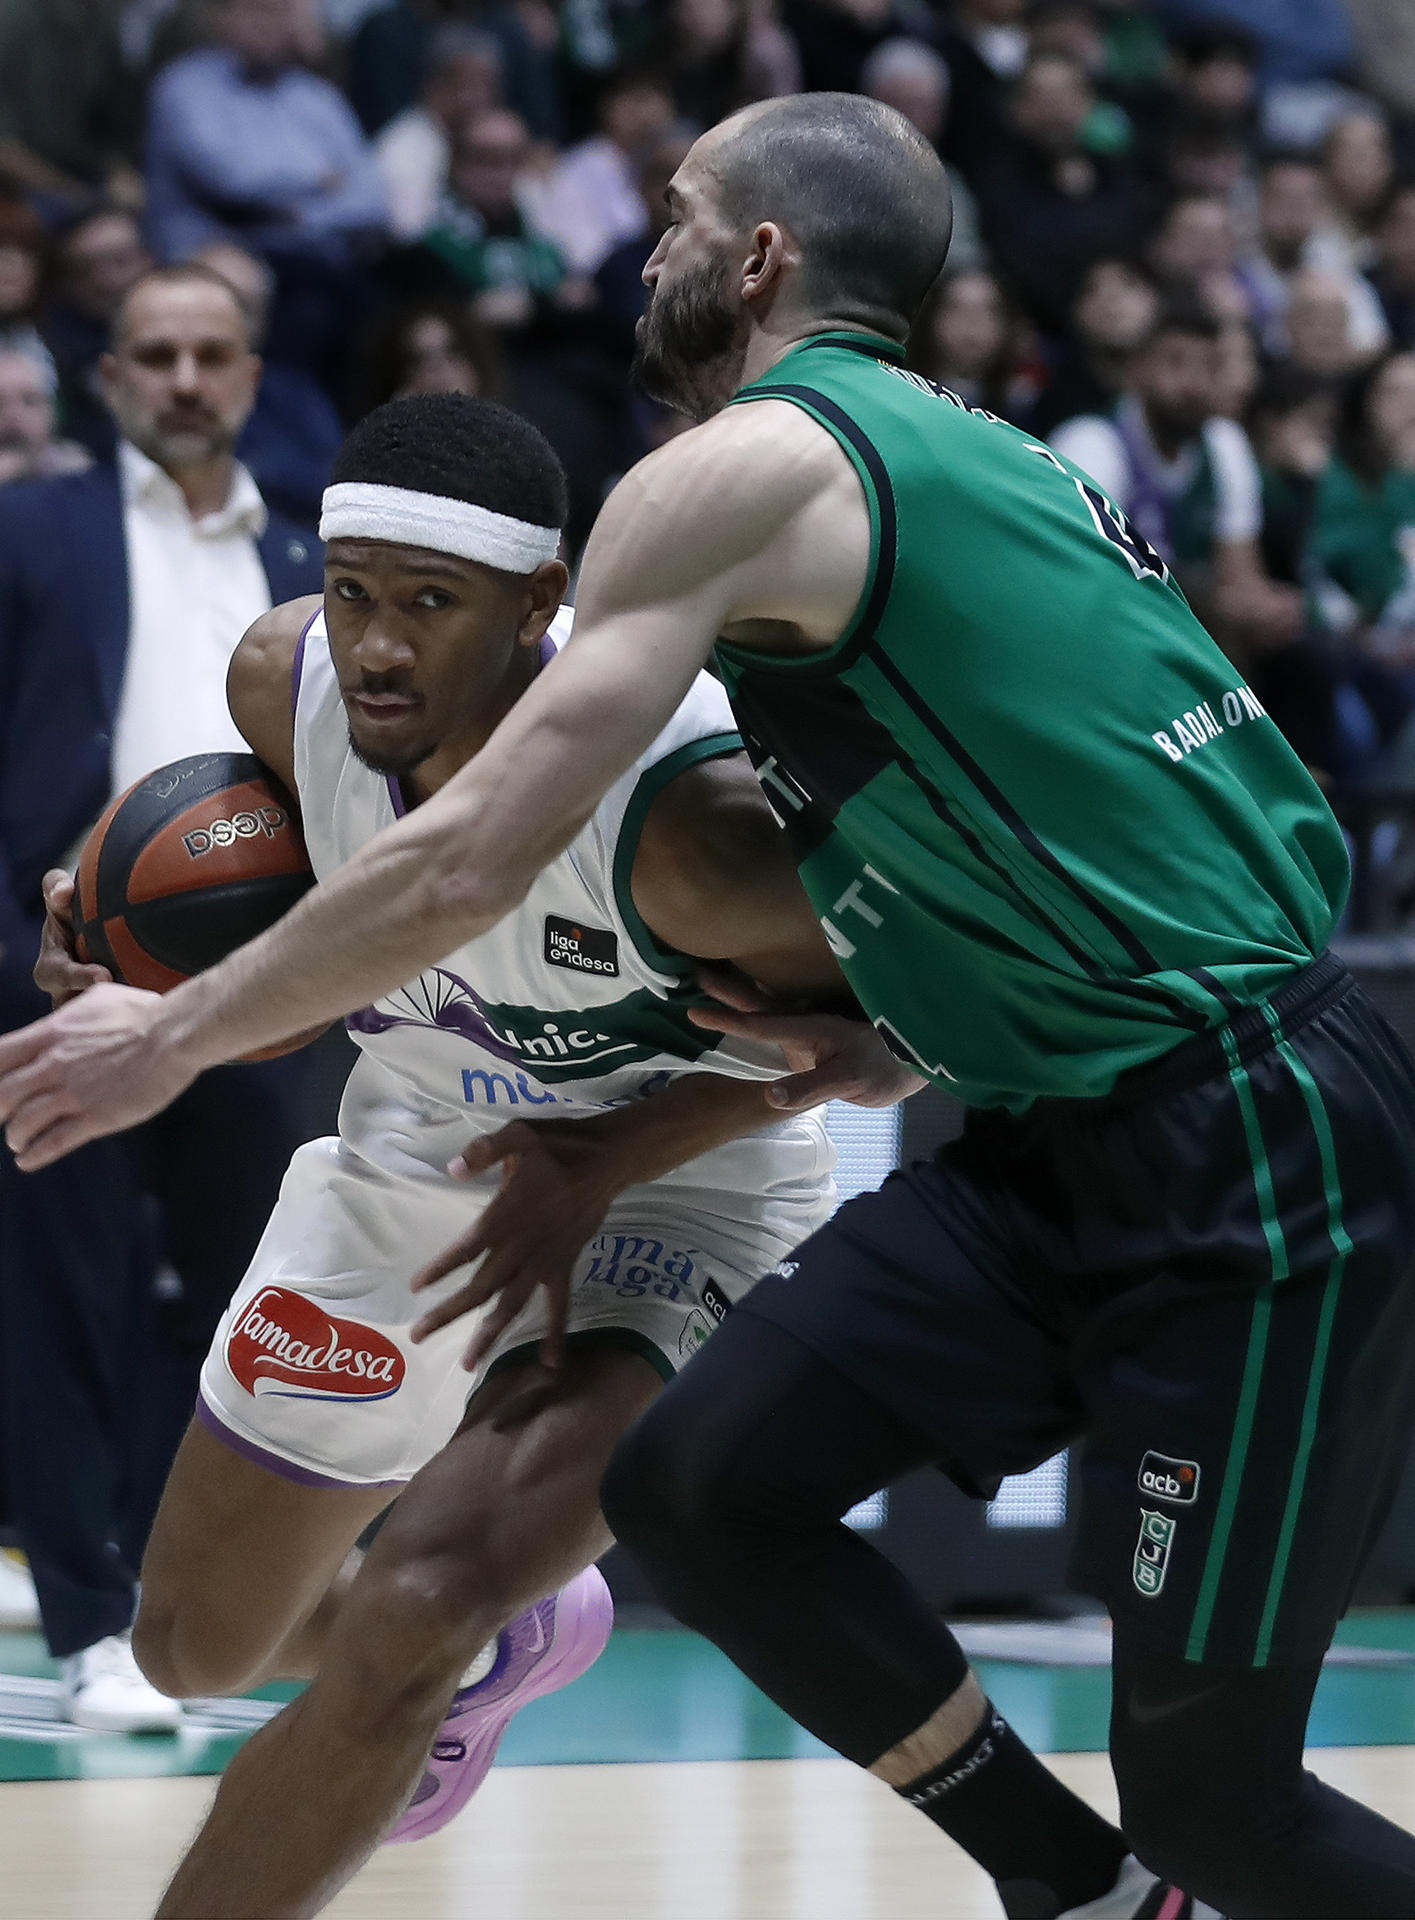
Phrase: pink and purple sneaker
[540,1651]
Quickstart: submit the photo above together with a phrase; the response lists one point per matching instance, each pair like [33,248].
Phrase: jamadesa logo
[282,1343]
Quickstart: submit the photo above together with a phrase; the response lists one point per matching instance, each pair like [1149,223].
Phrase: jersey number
[1111,523]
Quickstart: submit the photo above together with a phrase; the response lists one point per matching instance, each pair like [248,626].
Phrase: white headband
[358,510]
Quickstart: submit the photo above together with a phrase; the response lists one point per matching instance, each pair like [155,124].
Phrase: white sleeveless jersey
[568,1005]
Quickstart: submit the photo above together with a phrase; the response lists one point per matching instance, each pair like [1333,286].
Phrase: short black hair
[460,448]
[1186,317]
[1216,40]
[860,190]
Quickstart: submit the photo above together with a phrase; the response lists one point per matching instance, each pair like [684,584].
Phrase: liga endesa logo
[285,1344]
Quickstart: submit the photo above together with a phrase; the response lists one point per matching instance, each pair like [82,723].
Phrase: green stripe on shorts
[1341,1247]
[1253,1360]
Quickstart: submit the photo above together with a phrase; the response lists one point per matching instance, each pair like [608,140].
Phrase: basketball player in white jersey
[671,1186]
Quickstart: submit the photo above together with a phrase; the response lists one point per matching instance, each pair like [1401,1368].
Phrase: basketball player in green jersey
[1071,868]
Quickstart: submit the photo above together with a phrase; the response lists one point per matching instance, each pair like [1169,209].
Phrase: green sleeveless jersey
[1047,828]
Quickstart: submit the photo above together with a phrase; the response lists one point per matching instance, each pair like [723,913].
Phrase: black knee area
[730,1493]
[680,1497]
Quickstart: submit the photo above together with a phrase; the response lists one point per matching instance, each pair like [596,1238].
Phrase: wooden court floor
[723,1840]
[661,1786]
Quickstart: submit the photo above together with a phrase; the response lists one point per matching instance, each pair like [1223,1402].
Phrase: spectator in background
[1210,101]
[590,201]
[966,339]
[1296,229]
[98,259]
[1238,370]
[389,53]
[1202,156]
[1363,542]
[1214,75]
[246,145]
[913,78]
[69,105]
[1293,426]
[1358,165]
[28,447]
[1318,322]
[426,347]
[289,442]
[1297,40]
[480,234]
[1188,481]
[1364,528]
[1113,313]
[834,38]
[562,374]
[985,45]
[1393,274]
[720,54]
[463,78]
[1072,28]
[123,592]
[1194,255]
[24,268]
[1049,208]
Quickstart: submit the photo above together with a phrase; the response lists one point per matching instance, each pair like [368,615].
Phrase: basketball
[185,866]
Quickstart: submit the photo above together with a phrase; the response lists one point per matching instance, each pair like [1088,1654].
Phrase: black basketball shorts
[1206,1279]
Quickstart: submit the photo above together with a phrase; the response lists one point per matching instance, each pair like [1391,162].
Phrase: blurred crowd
[1184,253]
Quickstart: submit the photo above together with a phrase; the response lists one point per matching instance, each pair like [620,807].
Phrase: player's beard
[394,761]
[686,350]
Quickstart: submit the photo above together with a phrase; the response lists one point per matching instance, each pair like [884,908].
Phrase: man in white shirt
[123,593]
[1187,480]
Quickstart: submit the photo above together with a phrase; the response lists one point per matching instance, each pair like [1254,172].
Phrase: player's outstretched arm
[682,551]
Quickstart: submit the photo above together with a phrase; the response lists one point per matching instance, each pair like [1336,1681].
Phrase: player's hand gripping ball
[190,863]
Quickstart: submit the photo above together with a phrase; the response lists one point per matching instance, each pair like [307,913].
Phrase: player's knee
[426,1615]
[681,1505]
[656,1495]
[187,1652]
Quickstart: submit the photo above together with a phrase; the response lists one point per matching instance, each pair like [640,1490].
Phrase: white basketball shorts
[312,1373]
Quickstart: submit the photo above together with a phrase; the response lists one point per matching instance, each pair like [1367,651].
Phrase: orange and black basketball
[187,865]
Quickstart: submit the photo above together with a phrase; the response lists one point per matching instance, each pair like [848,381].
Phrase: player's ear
[547,587]
[769,250]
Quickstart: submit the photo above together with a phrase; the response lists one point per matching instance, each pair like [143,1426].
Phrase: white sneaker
[103,1689]
[19,1604]
[1141,1895]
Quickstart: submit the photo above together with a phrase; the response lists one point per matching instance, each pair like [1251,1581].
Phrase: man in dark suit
[123,592]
